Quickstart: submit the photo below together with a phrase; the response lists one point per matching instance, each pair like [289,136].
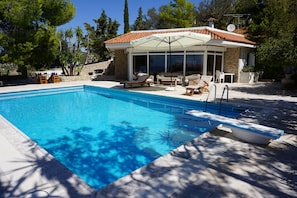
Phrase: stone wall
[84,74]
[232,56]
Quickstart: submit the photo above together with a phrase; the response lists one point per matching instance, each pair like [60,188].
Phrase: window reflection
[175,63]
[139,64]
[194,64]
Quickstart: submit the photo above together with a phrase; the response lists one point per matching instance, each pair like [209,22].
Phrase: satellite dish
[231,27]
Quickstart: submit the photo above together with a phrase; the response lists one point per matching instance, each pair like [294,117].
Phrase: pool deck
[215,164]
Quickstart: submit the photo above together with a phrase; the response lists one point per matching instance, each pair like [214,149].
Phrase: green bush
[248,69]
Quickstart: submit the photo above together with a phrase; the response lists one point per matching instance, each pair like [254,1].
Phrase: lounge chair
[43,79]
[98,74]
[56,79]
[140,80]
[200,87]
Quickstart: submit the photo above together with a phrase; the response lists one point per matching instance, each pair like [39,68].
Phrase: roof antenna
[231,26]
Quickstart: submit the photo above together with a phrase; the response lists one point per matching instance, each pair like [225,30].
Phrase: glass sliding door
[210,65]
[139,64]
[157,64]
[214,62]
[194,64]
[218,62]
[175,63]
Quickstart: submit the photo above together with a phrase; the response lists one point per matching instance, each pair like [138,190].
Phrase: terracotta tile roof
[216,34]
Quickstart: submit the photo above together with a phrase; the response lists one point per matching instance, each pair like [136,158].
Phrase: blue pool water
[104,134]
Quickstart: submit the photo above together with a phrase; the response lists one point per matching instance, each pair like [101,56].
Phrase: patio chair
[200,87]
[43,79]
[220,76]
[140,80]
[98,74]
[56,79]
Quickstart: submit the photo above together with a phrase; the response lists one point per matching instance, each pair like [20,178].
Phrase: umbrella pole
[171,88]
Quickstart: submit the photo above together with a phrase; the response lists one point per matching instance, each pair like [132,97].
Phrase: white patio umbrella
[173,40]
[169,41]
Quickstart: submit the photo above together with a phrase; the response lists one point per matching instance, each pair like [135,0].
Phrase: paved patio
[214,165]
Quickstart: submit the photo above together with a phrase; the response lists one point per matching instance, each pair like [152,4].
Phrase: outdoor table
[231,76]
[169,80]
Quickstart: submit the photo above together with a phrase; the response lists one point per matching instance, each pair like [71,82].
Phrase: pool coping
[183,153]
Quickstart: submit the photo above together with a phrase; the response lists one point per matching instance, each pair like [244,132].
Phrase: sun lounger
[98,74]
[56,78]
[200,87]
[43,79]
[141,80]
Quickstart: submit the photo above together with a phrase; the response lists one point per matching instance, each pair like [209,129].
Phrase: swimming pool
[103,134]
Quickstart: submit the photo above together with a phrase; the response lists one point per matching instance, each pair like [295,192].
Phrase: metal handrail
[215,95]
[226,87]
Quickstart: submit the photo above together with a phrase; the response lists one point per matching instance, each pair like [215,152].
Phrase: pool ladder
[226,88]
[215,95]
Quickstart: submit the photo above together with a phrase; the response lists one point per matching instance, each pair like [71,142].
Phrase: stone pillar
[231,61]
[121,65]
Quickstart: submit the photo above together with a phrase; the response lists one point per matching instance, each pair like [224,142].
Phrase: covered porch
[219,53]
[203,60]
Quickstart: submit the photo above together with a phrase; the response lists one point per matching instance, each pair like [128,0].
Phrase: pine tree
[139,23]
[126,18]
[28,30]
[178,13]
[104,29]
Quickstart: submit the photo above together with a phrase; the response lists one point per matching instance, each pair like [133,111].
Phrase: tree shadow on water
[104,156]
[210,166]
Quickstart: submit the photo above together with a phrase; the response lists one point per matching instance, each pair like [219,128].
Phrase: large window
[165,62]
[194,64]
[175,63]
[157,64]
[139,64]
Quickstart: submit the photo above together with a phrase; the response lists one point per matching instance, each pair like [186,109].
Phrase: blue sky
[87,10]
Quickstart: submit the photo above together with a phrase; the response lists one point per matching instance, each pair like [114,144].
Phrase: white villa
[224,51]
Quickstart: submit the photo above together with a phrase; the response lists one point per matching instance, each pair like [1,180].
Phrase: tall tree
[178,13]
[105,29]
[272,26]
[70,54]
[152,19]
[126,18]
[27,30]
[214,9]
[139,23]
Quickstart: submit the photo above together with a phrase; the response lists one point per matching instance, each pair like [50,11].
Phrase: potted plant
[249,75]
